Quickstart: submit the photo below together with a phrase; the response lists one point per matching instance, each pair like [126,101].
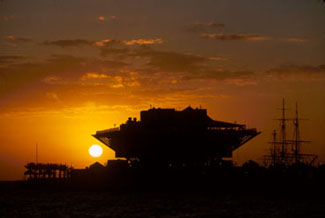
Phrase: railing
[108,130]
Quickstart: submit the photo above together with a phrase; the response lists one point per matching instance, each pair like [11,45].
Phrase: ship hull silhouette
[168,136]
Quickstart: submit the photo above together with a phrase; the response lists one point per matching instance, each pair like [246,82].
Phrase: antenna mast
[36,153]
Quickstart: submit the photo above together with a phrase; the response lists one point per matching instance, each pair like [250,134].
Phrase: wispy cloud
[221,75]
[70,43]
[113,81]
[94,75]
[163,61]
[293,39]
[8,18]
[101,18]
[10,58]
[170,61]
[13,39]
[230,37]
[101,43]
[107,18]
[199,27]
[108,42]
[56,70]
[117,52]
[246,37]
[297,72]
[143,42]
[53,96]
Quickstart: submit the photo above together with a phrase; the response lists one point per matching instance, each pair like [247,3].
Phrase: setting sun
[95,151]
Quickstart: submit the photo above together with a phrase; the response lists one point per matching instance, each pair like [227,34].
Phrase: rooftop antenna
[36,153]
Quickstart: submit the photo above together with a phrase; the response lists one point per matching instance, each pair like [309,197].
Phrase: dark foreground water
[104,204]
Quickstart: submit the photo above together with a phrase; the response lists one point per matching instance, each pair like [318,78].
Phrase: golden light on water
[95,151]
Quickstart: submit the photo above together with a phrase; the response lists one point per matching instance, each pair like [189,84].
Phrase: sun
[95,151]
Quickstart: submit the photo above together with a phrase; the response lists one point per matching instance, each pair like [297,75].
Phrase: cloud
[69,43]
[170,61]
[246,37]
[163,61]
[101,18]
[109,42]
[230,37]
[293,39]
[10,58]
[113,17]
[143,42]
[107,51]
[221,74]
[101,43]
[122,80]
[52,79]
[297,72]
[110,18]
[8,18]
[56,70]
[94,75]
[13,39]
[199,27]
[188,66]
[53,96]
[217,59]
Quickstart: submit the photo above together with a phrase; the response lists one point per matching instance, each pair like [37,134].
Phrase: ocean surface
[146,205]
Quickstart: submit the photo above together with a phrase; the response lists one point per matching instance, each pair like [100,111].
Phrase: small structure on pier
[41,171]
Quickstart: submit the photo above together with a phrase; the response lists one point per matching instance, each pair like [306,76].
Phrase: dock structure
[172,137]
[48,171]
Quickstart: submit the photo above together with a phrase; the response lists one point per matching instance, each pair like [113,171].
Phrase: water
[170,205]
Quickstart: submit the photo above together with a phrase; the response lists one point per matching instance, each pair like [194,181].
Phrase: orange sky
[70,68]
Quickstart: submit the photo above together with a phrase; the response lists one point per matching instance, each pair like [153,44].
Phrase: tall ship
[172,137]
[284,150]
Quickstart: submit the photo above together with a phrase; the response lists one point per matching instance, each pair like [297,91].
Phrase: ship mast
[280,154]
[283,134]
[297,136]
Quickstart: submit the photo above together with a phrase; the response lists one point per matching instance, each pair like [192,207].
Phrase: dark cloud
[140,42]
[171,61]
[17,75]
[70,43]
[121,52]
[8,18]
[297,71]
[247,37]
[10,58]
[229,37]
[221,75]
[107,18]
[200,27]
[13,39]
[102,43]
[160,60]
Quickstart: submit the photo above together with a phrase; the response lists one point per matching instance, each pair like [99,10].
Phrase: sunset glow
[70,68]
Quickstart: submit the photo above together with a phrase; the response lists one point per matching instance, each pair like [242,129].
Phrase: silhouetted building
[47,171]
[168,136]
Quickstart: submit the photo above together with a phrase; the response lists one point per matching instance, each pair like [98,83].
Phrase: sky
[71,67]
